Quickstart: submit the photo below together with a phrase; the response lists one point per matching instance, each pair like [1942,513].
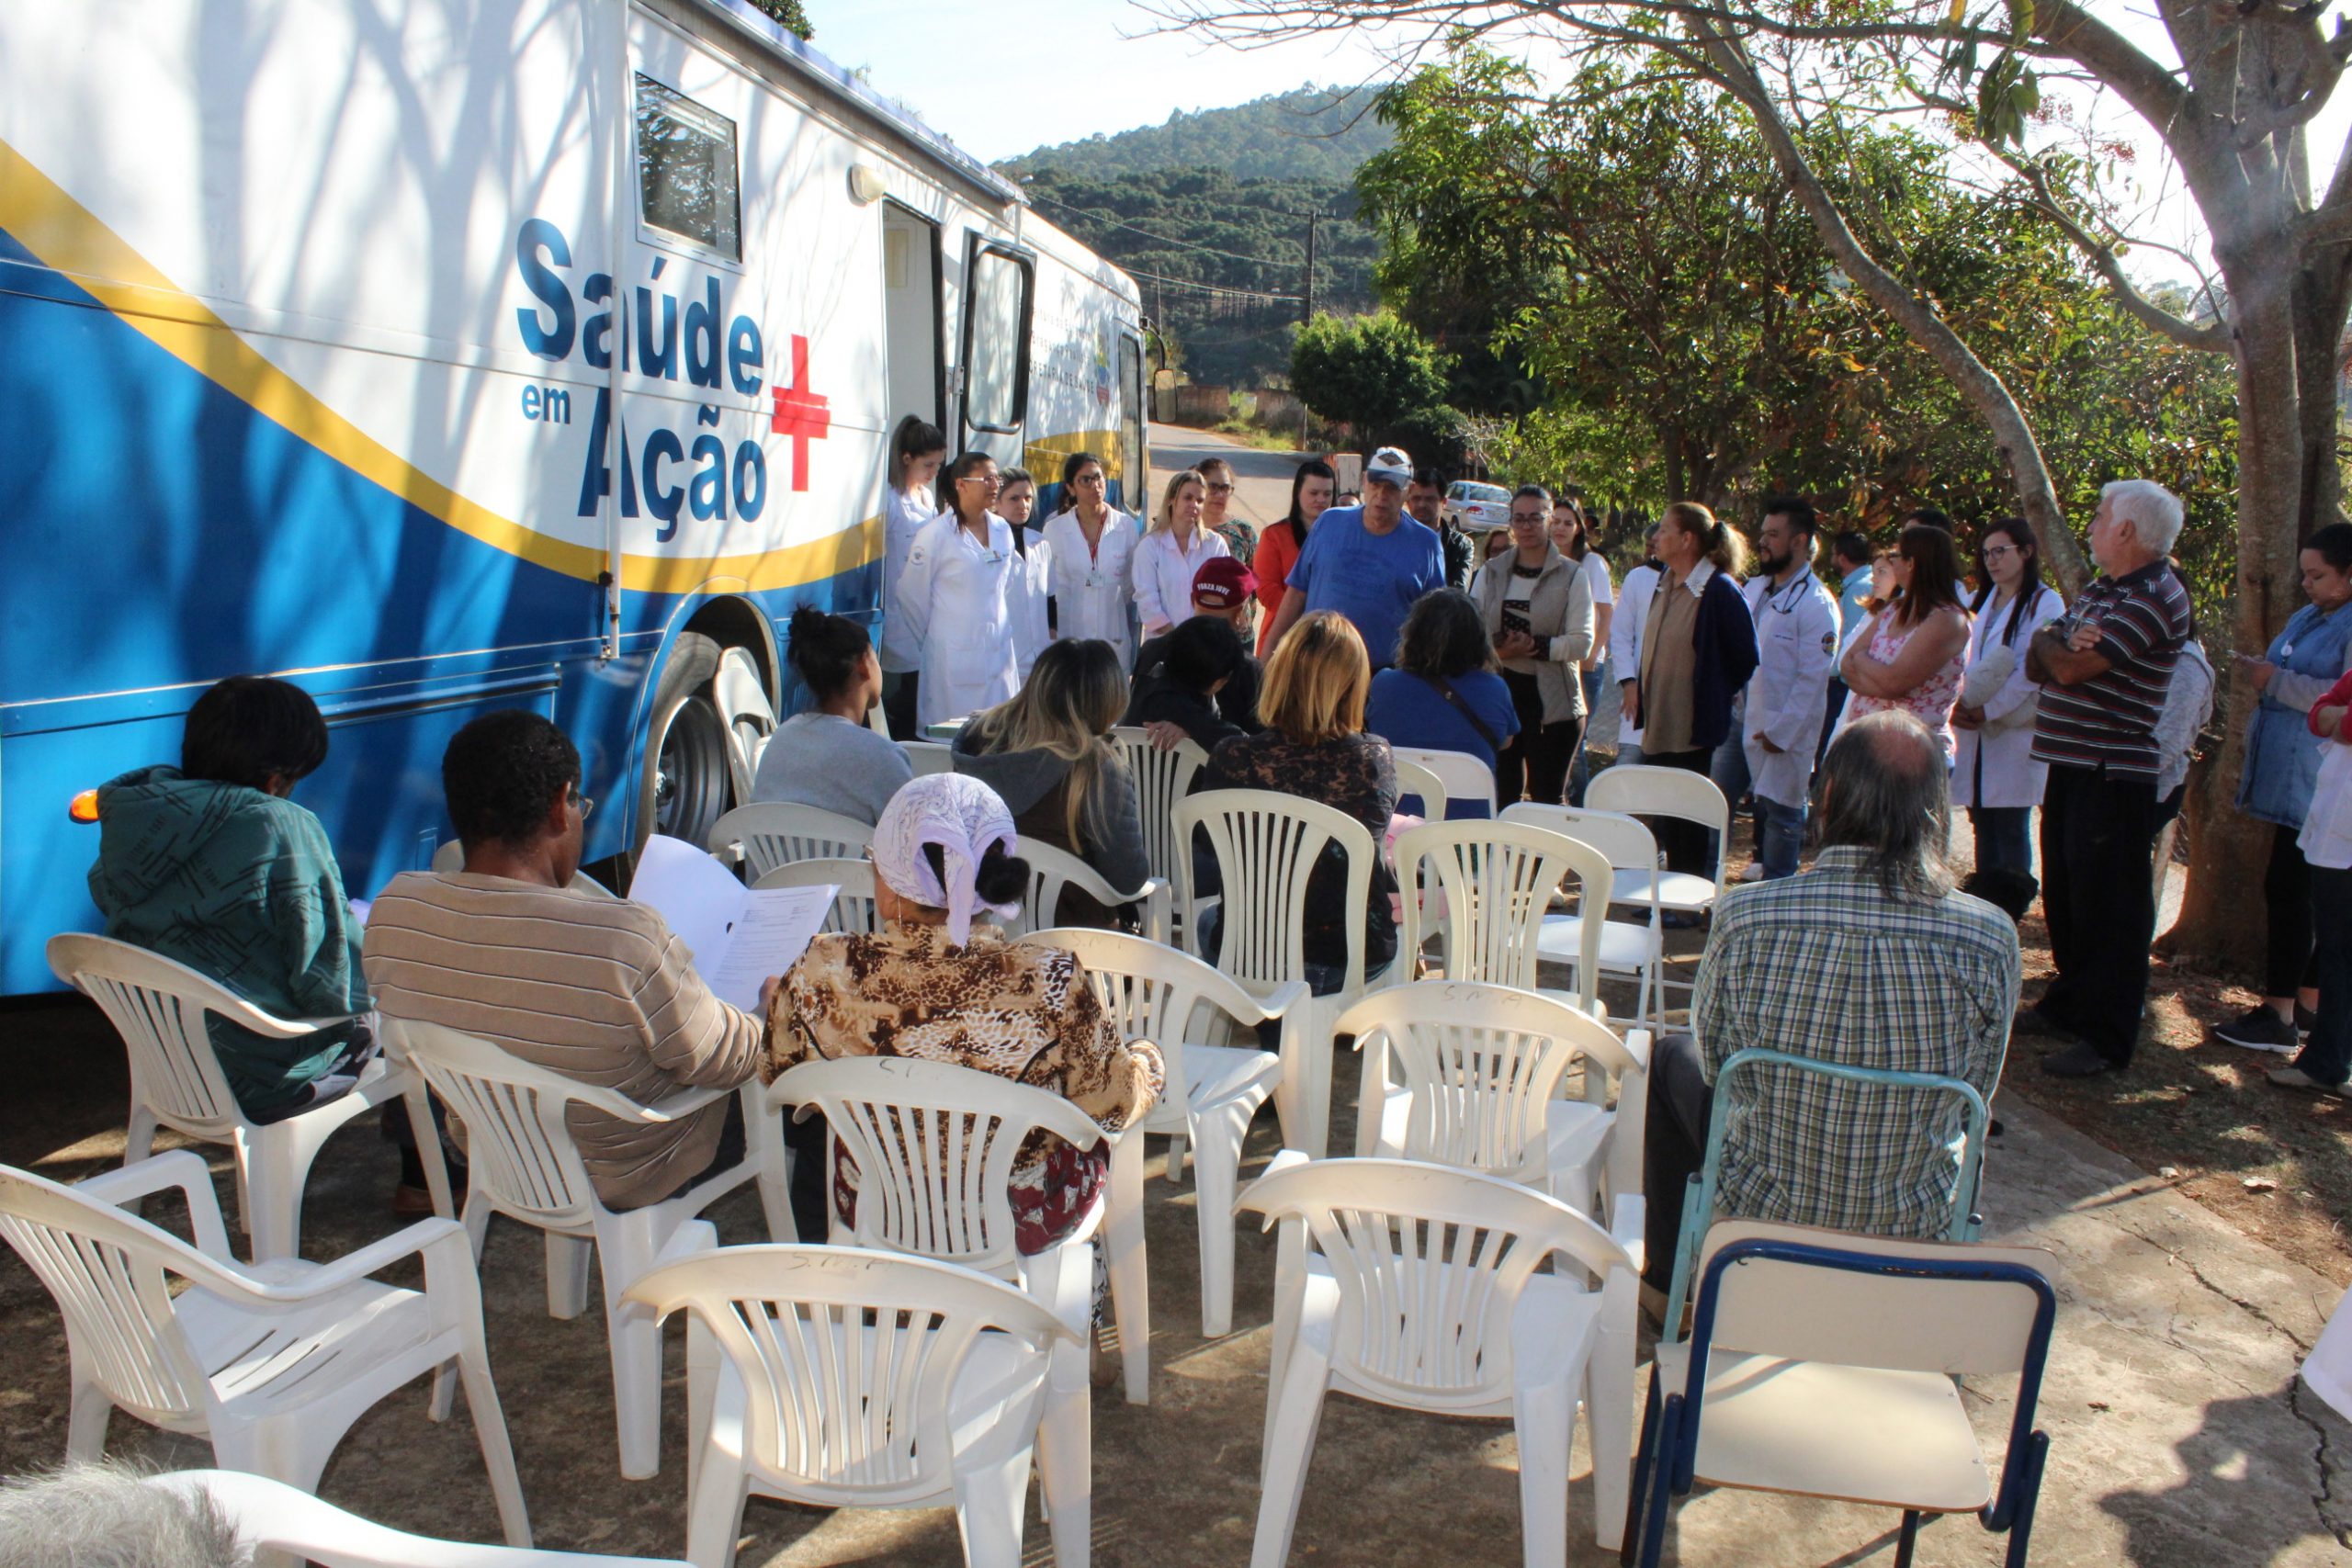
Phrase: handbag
[1446,689]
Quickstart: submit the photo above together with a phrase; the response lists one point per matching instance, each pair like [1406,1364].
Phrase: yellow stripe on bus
[66,236]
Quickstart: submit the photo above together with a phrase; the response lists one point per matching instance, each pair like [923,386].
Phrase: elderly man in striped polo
[2105,668]
[1870,959]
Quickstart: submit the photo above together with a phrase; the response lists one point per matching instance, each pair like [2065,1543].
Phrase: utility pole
[1307,315]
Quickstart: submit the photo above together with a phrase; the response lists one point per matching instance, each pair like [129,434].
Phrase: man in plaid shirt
[1870,959]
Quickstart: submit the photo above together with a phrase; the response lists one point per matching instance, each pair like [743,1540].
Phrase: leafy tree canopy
[787,12]
[1373,372]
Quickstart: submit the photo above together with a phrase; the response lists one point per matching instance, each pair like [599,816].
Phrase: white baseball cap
[1390,463]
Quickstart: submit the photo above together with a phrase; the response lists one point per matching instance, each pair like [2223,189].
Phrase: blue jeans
[1779,834]
[2004,837]
[1594,681]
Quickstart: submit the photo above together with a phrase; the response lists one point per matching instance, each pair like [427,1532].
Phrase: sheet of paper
[698,896]
[774,930]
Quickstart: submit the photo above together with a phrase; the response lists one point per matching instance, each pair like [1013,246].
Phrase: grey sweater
[1034,785]
[824,761]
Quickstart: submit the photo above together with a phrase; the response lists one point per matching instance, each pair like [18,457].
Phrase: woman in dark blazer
[1697,650]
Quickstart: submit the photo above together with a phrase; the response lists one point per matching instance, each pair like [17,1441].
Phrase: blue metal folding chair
[1699,1202]
[1825,1365]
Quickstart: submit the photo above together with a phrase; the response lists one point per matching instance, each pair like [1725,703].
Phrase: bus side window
[996,343]
[685,170]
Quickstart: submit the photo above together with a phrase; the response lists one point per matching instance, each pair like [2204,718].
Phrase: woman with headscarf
[933,984]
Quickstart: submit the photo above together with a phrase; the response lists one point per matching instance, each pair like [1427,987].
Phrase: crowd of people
[1855,714]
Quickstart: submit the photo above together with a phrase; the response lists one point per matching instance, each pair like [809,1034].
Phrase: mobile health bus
[470,353]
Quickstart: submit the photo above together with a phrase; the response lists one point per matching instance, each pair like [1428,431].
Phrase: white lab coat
[952,597]
[2005,746]
[1025,595]
[902,518]
[1788,698]
[1164,576]
[1094,588]
[1625,639]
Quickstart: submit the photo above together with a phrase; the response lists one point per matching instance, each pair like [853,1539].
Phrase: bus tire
[687,778]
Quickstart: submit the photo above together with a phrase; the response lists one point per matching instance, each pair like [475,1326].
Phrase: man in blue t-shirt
[1367,562]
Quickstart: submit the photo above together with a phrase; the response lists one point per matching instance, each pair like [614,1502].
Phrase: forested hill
[1315,133]
[1209,211]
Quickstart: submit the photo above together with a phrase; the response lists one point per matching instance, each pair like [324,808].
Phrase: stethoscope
[1784,601]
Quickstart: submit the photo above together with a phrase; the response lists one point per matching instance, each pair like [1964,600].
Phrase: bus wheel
[686,780]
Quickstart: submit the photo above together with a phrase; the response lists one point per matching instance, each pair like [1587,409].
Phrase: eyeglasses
[1527,519]
[1220,490]
[586,803]
[1999,552]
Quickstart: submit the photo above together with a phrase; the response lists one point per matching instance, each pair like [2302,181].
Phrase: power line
[1210,287]
[1096,214]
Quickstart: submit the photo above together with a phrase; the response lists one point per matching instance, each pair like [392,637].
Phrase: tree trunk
[2221,915]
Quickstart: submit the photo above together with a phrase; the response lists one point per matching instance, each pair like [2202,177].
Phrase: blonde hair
[1075,693]
[1316,680]
[1718,541]
[1167,497]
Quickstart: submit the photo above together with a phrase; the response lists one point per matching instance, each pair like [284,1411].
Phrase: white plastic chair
[1415,779]
[1640,790]
[1154,993]
[1494,881]
[272,1362]
[1051,870]
[929,756]
[1163,778]
[934,1146]
[1480,1071]
[451,856]
[525,1166]
[843,1380]
[768,833]
[1415,1286]
[1463,776]
[852,911]
[158,1008]
[1824,1364]
[1267,845]
[1626,947]
[269,1515]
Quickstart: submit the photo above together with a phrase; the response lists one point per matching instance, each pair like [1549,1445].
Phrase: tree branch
[2211,338]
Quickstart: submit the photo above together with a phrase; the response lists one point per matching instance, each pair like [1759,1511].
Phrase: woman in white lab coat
[1994,773]
[1029,593]
[1092,573]
[954,598]
[1171,552]
[916,451]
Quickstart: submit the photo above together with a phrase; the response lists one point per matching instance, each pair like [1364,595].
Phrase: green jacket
[242,887]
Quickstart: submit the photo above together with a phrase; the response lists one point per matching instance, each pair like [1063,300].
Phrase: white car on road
[1476,508]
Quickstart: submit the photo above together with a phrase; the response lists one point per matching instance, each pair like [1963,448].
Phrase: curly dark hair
[249,727]
[503,771]
[1444,637]
[825,650]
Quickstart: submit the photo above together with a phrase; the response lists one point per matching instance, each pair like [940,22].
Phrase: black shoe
[2080,1060]
[2259,1030]
[2033,1021]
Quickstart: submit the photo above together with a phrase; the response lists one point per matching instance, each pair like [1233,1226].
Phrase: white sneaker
[1754,872]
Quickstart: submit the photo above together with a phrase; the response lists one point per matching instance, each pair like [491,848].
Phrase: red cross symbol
[802,413]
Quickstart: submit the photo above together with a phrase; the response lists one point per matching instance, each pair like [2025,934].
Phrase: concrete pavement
[1262,478]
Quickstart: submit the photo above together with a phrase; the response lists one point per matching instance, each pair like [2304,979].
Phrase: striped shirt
[596,988]
[2110,720]
[1825,964]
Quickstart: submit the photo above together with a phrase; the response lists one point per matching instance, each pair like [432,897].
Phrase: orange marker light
[85,807]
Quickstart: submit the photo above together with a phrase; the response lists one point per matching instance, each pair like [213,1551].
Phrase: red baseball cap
[1222,582]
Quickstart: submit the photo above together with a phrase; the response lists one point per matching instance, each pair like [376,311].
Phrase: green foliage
[1378,375]
[1220,260]
[1315,133]
[788,12]
[1628,248]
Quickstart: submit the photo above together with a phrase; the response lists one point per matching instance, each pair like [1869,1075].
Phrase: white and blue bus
[473,354]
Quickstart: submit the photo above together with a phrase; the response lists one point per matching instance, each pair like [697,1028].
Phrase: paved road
[1261,480]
